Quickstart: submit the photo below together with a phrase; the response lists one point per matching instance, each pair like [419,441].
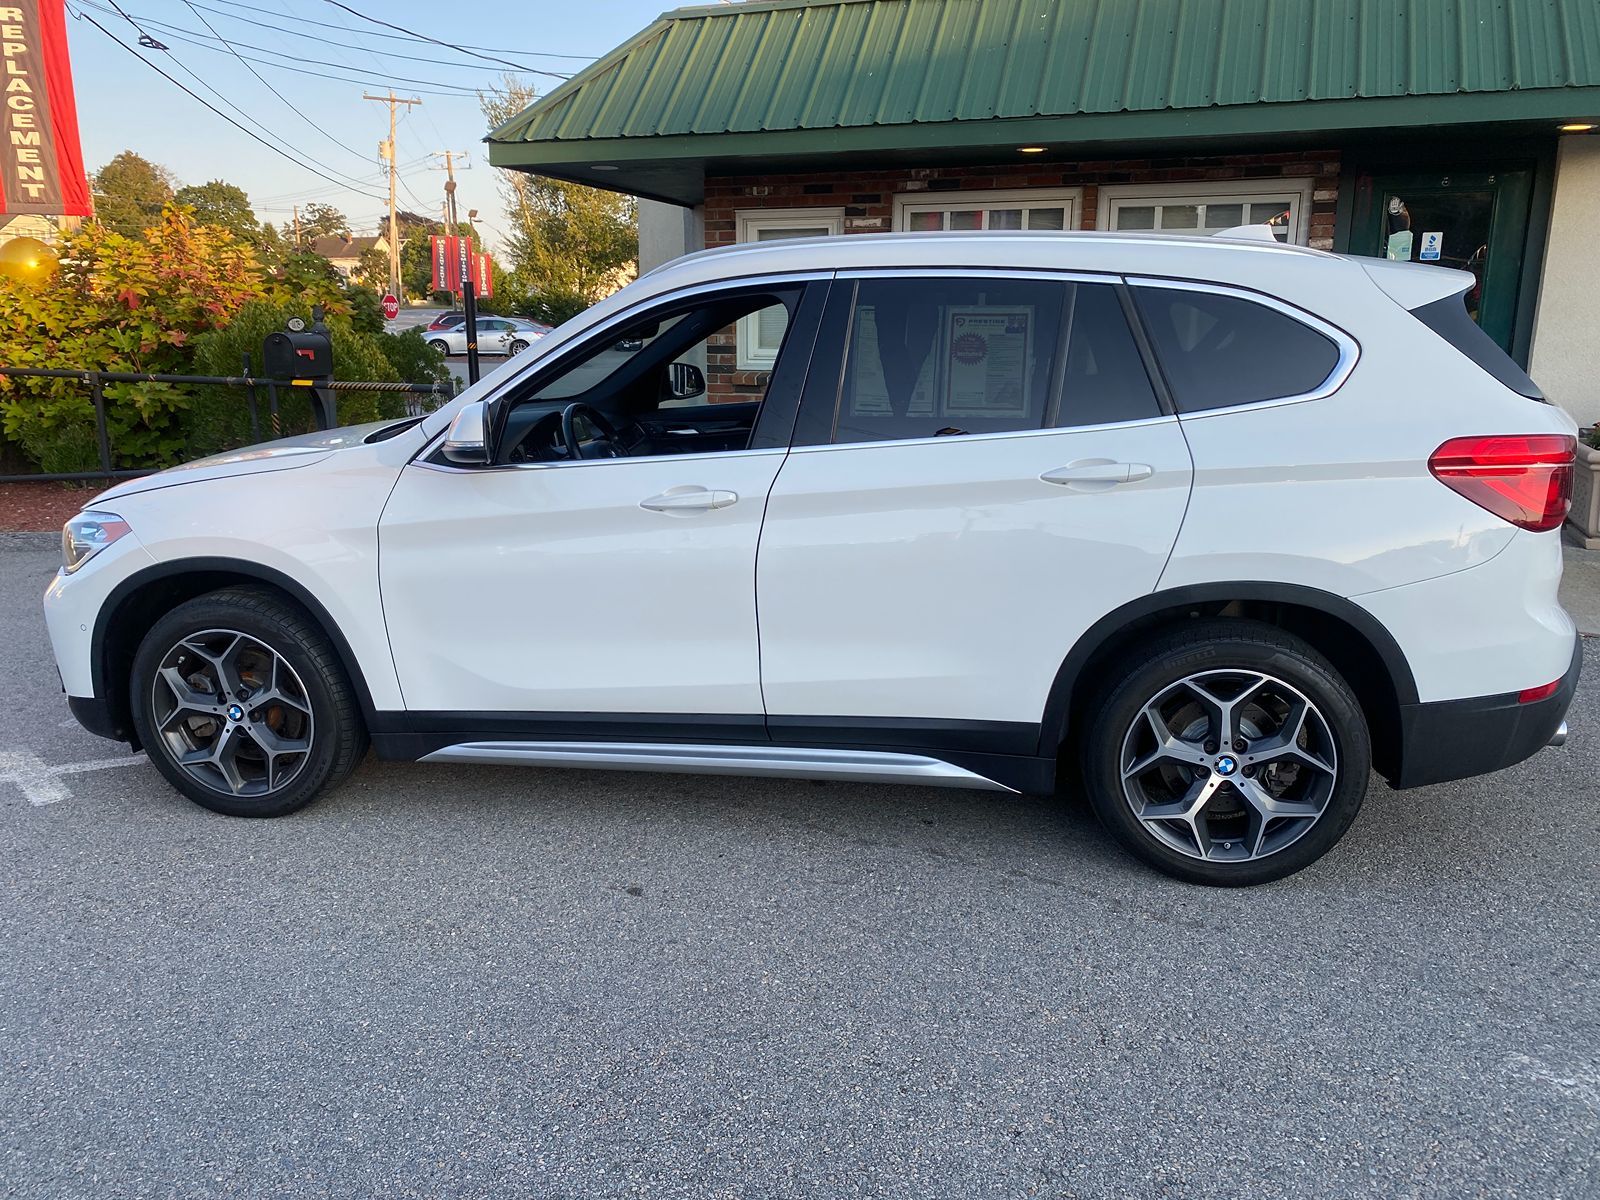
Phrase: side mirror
[685,380]
[467,443]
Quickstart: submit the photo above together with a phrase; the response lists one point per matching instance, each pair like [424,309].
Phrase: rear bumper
[1457,739]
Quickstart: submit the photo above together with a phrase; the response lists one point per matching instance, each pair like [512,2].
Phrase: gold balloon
[27,259]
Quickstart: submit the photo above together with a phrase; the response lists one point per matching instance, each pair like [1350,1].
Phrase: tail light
[1524,478]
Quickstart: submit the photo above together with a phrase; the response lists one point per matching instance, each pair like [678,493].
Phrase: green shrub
[219,419]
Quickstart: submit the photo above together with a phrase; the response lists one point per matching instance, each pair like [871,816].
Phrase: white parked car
[496,335]
[1206,527]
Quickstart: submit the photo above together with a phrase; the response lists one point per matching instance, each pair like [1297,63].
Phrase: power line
[195,38]
[396,37]
[289,104]
[422,37]
[202,101]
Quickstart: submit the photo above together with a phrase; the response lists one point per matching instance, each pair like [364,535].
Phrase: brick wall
[867,197]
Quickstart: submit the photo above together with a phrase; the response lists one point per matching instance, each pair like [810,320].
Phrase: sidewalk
[1580,588]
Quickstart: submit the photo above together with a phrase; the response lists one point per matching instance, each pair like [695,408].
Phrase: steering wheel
[606,445]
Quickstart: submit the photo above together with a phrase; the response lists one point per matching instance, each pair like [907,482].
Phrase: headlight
[86,534]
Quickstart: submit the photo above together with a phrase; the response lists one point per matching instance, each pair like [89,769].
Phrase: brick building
[1449,131]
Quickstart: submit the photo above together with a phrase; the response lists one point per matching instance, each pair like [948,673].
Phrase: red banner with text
[452,254]
[41,162]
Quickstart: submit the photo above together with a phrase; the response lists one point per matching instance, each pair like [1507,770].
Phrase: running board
[784,762]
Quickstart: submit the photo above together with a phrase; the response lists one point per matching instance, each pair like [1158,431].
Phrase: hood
[285,454]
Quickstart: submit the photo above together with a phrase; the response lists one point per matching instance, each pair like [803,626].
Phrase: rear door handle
[689,499]
[1098,473]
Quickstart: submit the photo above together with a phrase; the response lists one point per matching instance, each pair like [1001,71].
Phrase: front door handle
[1097,473]
[689,499]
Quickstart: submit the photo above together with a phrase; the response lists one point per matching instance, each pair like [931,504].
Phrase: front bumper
[1457,739]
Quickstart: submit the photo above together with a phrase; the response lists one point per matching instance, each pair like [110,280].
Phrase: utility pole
[451,157]
[296,226]
[386,149]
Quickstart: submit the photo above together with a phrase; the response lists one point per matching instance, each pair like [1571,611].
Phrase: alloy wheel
[232,713]
[1229,765]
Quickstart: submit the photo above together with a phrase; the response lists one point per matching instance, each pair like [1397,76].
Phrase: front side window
[946,357]
[669,383]
[1218,350]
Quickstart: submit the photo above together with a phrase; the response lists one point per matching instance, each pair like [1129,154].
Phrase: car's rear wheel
[1230,753]
[439,344]
[243,704]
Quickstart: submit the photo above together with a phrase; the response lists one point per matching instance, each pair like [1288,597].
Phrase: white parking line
[41,784]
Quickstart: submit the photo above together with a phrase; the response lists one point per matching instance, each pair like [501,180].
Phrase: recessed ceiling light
[602,167]
[1578,127]
[1030,149]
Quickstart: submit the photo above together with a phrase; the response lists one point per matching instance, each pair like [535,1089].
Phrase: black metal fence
[95,381]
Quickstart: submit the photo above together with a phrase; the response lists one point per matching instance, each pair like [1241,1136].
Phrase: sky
[125,105]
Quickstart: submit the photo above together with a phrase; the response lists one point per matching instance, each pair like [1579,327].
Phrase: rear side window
[1451,321]
[1218,350]
[945,357]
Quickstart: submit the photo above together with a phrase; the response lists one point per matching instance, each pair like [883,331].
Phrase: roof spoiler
[1411,285]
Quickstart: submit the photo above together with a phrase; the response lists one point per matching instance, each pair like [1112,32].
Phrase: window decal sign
[41,162]
[987,367]
[1432,246]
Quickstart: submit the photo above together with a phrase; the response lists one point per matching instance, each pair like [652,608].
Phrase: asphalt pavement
[451,981]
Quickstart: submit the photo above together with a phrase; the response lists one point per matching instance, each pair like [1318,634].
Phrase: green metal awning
[784,83]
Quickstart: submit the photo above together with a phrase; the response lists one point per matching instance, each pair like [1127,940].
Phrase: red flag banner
[41,162]
[452,256]
[441,265]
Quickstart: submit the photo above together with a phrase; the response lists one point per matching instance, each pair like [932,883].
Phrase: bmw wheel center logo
[235,713]
[1227,765]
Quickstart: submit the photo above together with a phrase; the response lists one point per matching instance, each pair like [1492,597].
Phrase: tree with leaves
[569,245]
[319,220]
[219,203]
[129,193]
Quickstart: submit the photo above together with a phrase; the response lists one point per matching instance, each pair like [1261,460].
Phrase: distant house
[345,252]
[1463,134]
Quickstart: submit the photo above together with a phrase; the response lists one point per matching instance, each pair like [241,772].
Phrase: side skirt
[784,762]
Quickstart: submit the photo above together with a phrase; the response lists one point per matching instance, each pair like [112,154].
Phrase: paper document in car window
[987,372]
[869,390]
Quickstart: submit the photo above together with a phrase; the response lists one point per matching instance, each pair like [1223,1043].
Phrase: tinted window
[1219,350]
[1105,379]
[1451,321]
[945,357]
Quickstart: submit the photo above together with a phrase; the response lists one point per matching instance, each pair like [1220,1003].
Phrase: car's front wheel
[439,344]
[243,704]
[1229,753]
[518,346]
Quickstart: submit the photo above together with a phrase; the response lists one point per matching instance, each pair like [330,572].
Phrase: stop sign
[391,307]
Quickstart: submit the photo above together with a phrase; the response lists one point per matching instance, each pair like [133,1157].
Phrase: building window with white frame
[761,333]
[1021,208]
[1284,205]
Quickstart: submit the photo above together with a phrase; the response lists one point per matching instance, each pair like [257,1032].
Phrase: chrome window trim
[1349,348]
[1002,435]
[496,468]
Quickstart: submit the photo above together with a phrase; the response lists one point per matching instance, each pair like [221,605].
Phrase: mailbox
[298,355]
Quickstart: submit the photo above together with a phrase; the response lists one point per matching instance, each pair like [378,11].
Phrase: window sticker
[988,351]
[1432,246]
[869,390]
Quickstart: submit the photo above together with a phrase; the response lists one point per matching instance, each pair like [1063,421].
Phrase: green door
[1474,222]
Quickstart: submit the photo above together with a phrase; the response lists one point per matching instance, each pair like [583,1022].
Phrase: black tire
[336,734]
[1148,673]
[439,344]
[518,346]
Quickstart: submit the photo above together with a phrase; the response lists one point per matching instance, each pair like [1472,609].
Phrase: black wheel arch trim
[104,688]
[1053,730]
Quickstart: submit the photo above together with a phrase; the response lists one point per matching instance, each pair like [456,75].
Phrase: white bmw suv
[1208,527]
